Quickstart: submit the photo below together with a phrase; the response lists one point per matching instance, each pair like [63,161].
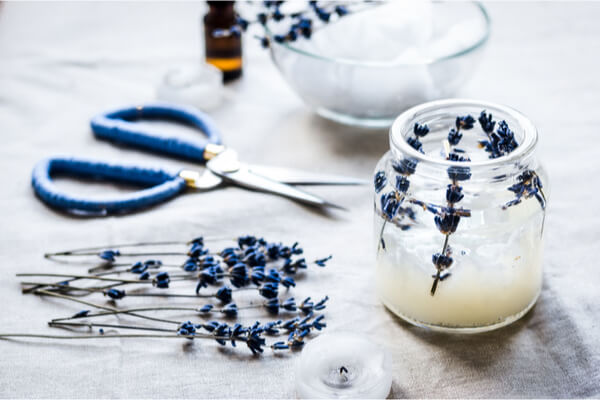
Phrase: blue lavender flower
[420,130]
[296,339]
[465,122]
[454,137]
[197,240]
[239,275]
[270,328]
[380,180]
[257,277]
[321,262]
[230,310]
[161,280]
[222,331]
[305,26]
[211,326]
[109,255]
[187,329]
[224,294]
[453,156]
[441,261]
[273,250]
[81,314]
[190,265]
[288,282]
[341,10]
[304,323]
[454,193]
[138,267]
[269,290]
[322,14]
[402,184]
[289,304]
[415,144]
[287,252]
[272,306]
[262,18]
[290,324]
[197,250]
[292,266]
[456,173]
[529,185]
[321,304]
[254,341]
[231,260]
[280,346]
[406,166]
[277,15]
[273,276]
[228,251]
[507,141]
[255,258]
[207,259]
[390,205]
[247,240]
[486,122]
[205,308]
[237,332]
[115,294]
[317,324]
[144,276]
[447,222]
[153,263]
[306,306]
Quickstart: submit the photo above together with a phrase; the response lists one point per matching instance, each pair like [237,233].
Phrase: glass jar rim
[407,119]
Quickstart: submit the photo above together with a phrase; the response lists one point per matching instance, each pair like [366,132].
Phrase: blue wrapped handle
[118,126]
[163,185]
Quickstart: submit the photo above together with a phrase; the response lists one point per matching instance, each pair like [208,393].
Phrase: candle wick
[343,372]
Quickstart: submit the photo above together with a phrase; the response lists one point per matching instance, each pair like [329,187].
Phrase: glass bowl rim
[478,44]
[398,141]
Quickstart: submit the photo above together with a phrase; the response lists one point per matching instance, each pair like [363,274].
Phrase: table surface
[63,62]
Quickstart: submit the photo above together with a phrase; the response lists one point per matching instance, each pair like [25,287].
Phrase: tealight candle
[343,365]
[459,215]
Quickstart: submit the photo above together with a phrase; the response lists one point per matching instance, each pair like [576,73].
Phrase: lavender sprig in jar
[460,204]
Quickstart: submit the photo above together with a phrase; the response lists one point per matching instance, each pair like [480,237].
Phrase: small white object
[344,366]
[199,85]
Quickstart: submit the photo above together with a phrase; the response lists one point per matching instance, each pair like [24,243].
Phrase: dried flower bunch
[499,141]
[298,23]
[252,265]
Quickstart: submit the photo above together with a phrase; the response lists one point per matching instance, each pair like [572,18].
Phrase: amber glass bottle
[224,53]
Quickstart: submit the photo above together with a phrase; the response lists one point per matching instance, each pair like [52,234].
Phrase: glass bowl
[353,73]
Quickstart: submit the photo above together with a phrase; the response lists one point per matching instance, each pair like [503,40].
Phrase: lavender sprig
[391,202]
[244,265]
[298,24]
[222,333]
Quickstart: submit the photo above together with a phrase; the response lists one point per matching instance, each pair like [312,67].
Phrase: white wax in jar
[496,275]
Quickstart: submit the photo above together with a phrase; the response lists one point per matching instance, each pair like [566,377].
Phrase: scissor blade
[244,177]
[297,177]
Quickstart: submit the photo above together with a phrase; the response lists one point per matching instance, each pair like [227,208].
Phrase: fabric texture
[62,63]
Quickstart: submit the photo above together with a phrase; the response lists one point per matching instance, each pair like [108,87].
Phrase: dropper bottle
[224,52]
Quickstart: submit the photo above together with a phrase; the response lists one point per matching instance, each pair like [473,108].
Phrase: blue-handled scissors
[221,163]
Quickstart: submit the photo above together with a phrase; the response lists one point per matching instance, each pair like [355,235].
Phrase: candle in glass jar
[459,251]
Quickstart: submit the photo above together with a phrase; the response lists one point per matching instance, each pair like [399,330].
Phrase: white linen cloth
[61,63]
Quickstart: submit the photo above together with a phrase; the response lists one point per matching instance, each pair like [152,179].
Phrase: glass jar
[460,205]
